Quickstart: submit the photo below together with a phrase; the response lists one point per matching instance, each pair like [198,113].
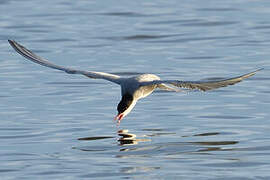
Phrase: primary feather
[203,85]
[39,60]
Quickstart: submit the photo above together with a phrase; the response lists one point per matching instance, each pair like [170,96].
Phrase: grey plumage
[133,88]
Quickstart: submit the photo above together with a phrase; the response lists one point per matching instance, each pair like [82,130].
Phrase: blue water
[60,126]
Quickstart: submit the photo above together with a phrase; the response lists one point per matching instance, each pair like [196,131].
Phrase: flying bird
[133,88]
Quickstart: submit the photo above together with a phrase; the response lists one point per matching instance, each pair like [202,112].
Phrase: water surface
[55,125]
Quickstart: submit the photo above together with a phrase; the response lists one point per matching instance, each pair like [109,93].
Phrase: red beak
[119,117]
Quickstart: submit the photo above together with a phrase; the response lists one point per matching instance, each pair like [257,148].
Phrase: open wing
[39,60]
[202,85]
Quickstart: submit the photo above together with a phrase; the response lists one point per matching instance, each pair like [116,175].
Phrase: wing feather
[39,60]
[203,85]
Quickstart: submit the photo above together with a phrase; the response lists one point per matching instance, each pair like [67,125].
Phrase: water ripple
[140,37]
[194,22]
[225,117]
[125,14]
[56,129]
[218,9]
[193,39]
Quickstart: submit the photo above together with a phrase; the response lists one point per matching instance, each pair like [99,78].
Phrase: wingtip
[251,73]
[259,69]
[11,42]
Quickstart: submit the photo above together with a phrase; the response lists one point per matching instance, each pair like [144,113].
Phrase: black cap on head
[124,103]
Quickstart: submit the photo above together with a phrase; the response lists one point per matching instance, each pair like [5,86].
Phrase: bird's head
[125,106]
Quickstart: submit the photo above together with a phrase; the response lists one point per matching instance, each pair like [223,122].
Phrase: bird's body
[133,88]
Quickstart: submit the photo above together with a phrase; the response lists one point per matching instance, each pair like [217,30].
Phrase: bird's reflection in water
[194,143]
[127,138]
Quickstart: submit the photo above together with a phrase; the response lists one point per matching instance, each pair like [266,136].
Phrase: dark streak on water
[225,117]
[94,138]
[218,9]
[139,37]
[124,14]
